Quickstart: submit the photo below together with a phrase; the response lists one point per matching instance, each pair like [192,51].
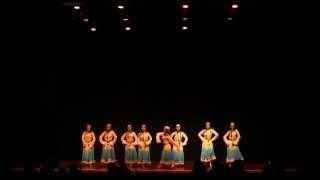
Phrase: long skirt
[108,155]
[234,154]
[130,155]
[178,157]
[207,153]
[166,157]
[88,156]
[144,156]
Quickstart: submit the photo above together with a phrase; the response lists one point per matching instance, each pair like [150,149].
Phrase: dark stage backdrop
[69,98]
[261,98]
[99,97]
[235,76]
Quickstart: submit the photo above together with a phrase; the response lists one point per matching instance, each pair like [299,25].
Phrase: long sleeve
[216,135]
[115,137]
[200,135]
[150,139]
[123,138]
[185,139]
[173,134]
[82,138]
[138,140]
[93,139]
[158,135]
[225,138]
[172,141]
[101,138]
[135,139]
[238,137]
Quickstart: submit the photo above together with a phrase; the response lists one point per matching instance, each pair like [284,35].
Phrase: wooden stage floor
[99,168]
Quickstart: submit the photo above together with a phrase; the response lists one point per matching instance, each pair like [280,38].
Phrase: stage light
[76,7]
[128,28]
[93,29]
[185,6]
[125,19]
[234,6]
[85,19]
[120,7]
[184,19]
[184,27]
[229,19]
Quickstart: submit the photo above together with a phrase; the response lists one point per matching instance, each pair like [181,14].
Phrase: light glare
[235,6]
[185,6]
[76,7]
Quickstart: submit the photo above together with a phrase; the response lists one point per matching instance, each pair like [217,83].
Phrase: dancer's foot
[172,165]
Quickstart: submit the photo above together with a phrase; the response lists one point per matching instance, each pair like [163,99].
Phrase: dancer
[168,142]
[181,139]
[108,139]
[88,140]
[208,136]
[144,141]
[129,139]
[231,139]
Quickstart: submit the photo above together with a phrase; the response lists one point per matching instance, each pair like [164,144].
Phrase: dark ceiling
[204,16]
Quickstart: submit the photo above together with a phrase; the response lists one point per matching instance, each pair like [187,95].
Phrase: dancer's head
[208,125]
[143,127]
[232,125]
[166,129]
[88,127]
[129,127]
[178,127]
[108,126]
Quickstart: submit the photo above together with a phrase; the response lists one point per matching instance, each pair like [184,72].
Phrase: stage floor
[99,168]
[187,168]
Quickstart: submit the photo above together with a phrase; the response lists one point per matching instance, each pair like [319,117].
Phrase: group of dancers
[173,144]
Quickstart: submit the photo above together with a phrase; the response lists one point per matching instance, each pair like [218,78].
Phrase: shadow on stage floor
[74,168]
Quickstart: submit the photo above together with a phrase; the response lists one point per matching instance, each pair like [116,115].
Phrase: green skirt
[108,155]
[130,155]
[234,154]
[166,157]
[88,156]
[144,156]
[178,157]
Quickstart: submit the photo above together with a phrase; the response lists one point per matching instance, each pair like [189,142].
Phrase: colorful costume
[232,138]
[88,140]
[166,154]
[144,141]
[108,139]
[130,140]
[207,151]
[178,154]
